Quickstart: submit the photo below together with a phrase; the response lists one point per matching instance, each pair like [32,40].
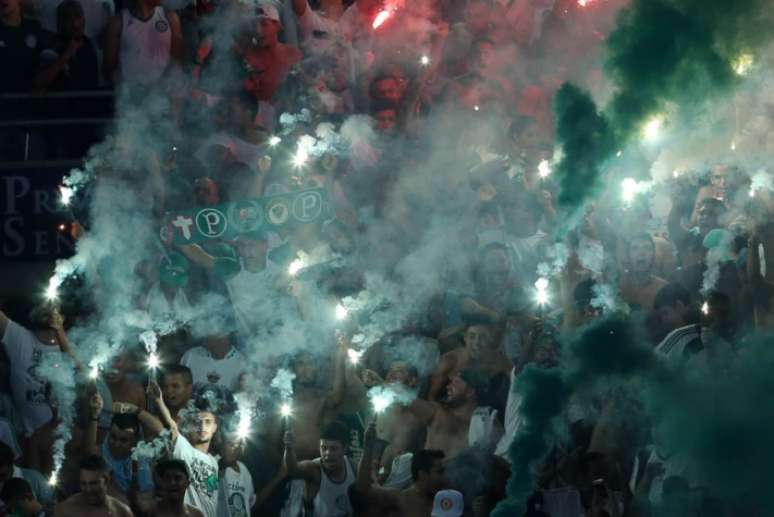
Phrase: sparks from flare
[52,291]
[274,141]
[380,402]
[629,189]
[652,128]
[153,361]
[544,169]
[541,291]
[295,266]
[286,410]
[743,64]
[66,194]
[341,312]
[354,355]
[300,159]
[705,308]
[382,17]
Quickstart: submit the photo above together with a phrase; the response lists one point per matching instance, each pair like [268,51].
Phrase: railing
[35,126]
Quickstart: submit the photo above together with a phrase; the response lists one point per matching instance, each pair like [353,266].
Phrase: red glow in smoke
[381,18]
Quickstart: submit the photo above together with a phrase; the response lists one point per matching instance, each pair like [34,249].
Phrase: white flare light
[52,291]
[354,355]
[541,291]
[286,410]
[66,194]
[705,308]
[544,169]
[341,312]
[153,361]
[652,129]
[380,402]
[424,60]
[274,141]
[295,266]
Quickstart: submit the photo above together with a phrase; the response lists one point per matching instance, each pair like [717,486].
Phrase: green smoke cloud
[662,52]
[606,349]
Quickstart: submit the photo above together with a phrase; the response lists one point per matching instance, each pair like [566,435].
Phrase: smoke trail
[662,53]
[607,348]
[61,375]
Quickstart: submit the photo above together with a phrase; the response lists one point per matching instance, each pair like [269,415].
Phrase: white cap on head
[267,11]
[448,503]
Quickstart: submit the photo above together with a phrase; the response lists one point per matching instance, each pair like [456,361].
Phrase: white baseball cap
[267,11]
[447,503]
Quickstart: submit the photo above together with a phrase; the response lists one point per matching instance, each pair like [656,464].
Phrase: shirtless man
[328,477]
[427,474]
[313,404]
[483,352]
[172,484]
[639,286]
[92,500]
[397,425]
[448,422]
[268,59]
[123,389]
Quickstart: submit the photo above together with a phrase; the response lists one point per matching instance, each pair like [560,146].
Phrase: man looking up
[92,500]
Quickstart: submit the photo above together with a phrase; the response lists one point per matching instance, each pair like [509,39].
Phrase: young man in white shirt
[216,362]
[236,484]
[191,443]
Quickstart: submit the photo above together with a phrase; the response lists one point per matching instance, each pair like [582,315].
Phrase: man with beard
[328,477]
[639,286]
[191,442]
[427,473]
[92,500]
[449,422]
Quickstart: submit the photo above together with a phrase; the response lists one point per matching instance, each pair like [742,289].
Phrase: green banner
[227,221]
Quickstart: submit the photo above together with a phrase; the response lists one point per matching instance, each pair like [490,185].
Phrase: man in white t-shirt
[319,29]
[216,362]
[191,443]
[25,350]
[237,492]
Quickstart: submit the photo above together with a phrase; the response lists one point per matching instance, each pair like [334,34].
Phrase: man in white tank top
[328,477]
[141,43]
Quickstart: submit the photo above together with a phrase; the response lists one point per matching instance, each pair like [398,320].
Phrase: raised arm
[295,469]
[90,443]
[154,394]
[424,410]
[440,376]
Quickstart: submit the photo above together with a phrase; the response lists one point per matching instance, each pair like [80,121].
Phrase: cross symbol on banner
[185,224]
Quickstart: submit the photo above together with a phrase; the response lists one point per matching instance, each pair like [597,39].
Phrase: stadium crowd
[422,123]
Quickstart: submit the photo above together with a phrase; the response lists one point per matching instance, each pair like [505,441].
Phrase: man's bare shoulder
[120,509]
